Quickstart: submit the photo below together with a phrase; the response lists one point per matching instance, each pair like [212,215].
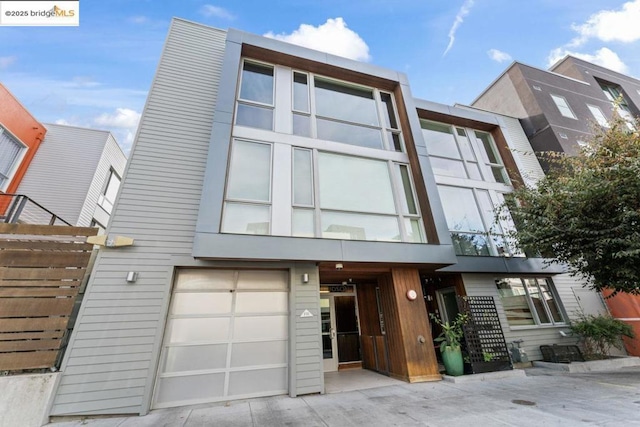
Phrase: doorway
[340,327]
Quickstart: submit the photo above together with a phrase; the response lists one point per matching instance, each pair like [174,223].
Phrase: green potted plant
[450,343]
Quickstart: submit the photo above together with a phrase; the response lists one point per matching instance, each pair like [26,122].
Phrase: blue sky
[98,74]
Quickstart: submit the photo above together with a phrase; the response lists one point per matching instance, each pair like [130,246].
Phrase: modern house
[559,107]
[93,166]
[296,213]
[558,110]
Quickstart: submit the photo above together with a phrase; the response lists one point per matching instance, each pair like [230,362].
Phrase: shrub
[600,333]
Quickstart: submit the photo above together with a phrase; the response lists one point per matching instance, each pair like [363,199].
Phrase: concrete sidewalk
[542,398]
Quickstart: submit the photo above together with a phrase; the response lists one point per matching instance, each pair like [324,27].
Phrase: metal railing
[18,208]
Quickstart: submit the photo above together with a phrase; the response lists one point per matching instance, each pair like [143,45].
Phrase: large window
[108,196]
[318,158]
[598,115]
[563,106]
[11,151]
[618,101]
[530,301]
[463,153]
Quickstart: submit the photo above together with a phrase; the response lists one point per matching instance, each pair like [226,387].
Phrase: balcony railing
[18,208]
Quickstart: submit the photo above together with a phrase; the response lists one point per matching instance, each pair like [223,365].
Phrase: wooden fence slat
[39,283]
[41,273]
[33,324]
[47,230]
[43,245]
[27,307]
[29,345]
[16,258]
[38,292]
[31,335]
[27,360]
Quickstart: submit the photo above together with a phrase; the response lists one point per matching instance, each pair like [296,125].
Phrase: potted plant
[450,343]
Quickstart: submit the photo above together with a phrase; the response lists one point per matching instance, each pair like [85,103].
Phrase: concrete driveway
[542,398]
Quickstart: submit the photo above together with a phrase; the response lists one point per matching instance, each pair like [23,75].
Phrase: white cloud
[464,11]
[210,10]
[604,57]
[621,25]
[6,61]
[121,118]
[332,37]
[498,55]
[138,19]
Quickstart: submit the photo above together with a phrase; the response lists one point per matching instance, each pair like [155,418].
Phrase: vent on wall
[563,135]
[537,88]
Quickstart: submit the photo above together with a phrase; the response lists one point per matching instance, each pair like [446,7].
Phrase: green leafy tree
[586,211]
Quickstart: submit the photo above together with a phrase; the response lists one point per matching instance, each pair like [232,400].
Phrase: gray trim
[501,265]
[240,246]
[455,111]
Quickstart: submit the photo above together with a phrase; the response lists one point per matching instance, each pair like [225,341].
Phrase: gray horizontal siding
[63,170]
[484,285]
[109,367]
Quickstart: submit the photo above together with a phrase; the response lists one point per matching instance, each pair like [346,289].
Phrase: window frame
[251,103]
[599,116]
[530,304]
[106,204]
[557,100]
[15,165]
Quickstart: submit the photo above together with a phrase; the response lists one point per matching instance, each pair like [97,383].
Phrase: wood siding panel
[157,206]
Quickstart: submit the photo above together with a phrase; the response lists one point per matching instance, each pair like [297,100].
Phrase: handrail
[17,205]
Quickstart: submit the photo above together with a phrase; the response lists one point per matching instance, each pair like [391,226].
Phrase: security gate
[226,337]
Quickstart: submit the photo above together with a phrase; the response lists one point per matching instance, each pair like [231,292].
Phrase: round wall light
[412,295]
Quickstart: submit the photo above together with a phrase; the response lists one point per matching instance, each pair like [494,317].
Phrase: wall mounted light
[412,295]
[132,276]
[305,278]
[339,266]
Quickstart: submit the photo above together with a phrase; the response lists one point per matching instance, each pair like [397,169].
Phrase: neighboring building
[83,192]
[20,137]
[296,213]
[559,108]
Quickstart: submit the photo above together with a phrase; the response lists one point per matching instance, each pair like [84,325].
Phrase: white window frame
[532,309]
[103,202]
[240,101]
[17,161]
[563,106]
[598,115]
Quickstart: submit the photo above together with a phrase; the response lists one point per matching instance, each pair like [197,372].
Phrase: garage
[226,337]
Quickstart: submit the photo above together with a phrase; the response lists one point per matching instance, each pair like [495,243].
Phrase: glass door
[328,329]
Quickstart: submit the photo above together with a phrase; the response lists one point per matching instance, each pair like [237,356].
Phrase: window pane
[474,171]
[488,210]
[302,223]
[250,171]
[440,140]
[263,279]
[460,209]
[390,115]
[499,174]
[198,279]
[549,298]
[257,83]
[470,244]
[488,146]
[338,225]
[201,303]
[345,103]
[300,92]
[408,202]
[302,177]
[10,149]
[394,140]
[112,188]
[413,230]
[354,184]
[195,358]
[598,115]
[563,107]
[301,125]
[448,167]
[514,302]
[246,219]
[536,299]
[254,117]
[349,134]
[465,146]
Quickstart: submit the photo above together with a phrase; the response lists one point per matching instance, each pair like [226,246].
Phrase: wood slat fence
[42,268]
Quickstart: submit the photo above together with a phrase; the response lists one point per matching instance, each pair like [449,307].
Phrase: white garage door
[226,337]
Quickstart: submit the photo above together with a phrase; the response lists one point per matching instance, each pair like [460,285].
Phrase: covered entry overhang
[394,331]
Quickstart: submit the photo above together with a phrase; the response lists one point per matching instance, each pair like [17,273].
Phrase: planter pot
[452,359]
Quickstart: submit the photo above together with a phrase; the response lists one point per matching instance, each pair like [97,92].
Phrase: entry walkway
[542,398]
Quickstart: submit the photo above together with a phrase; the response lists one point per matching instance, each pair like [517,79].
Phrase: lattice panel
[484,340]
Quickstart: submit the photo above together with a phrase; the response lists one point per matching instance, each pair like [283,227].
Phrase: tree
[586,211]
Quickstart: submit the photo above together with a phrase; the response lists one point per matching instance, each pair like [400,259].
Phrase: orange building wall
[626,307]
[16,118]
